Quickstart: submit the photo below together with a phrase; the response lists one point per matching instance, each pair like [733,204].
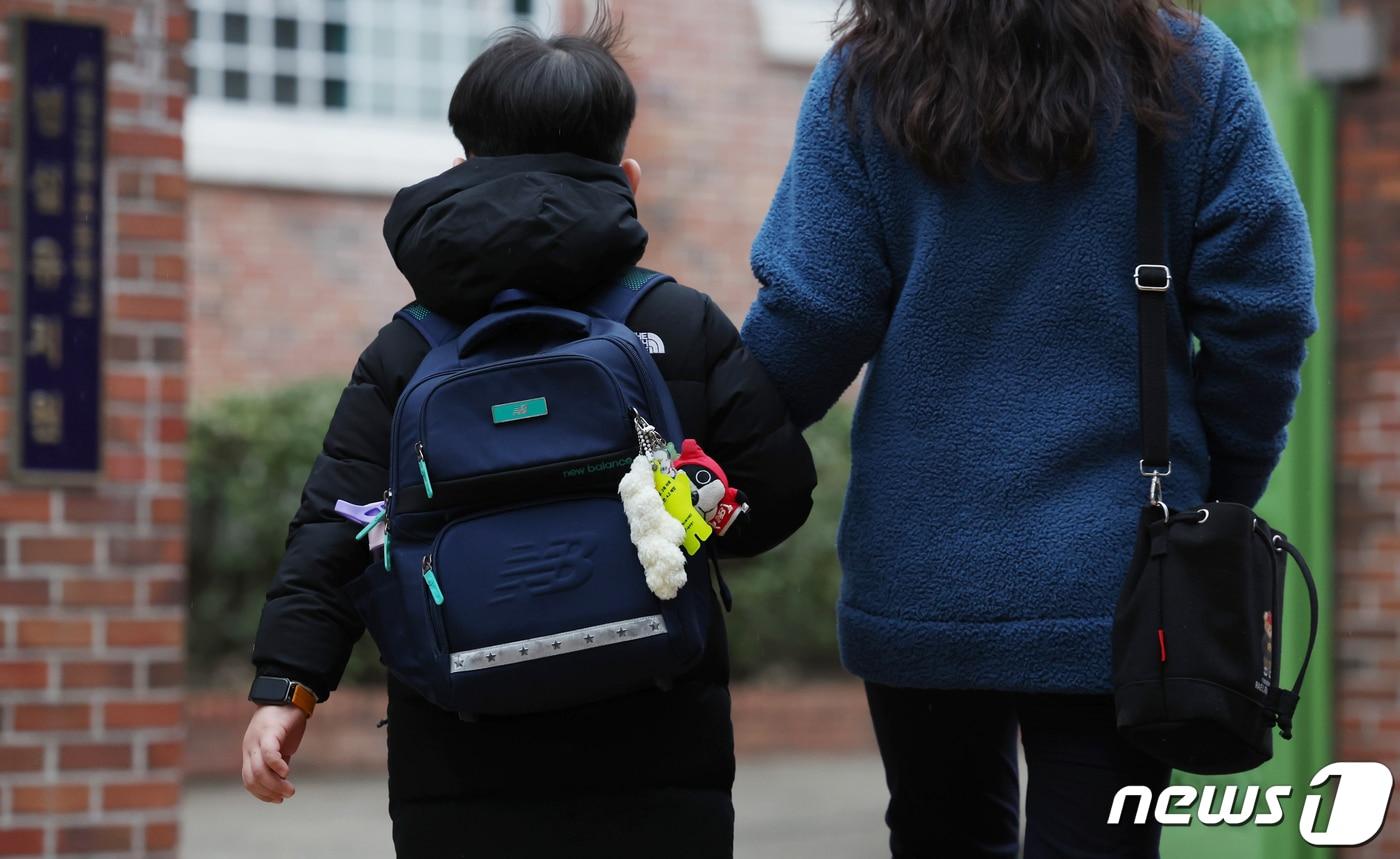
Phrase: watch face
[270,690]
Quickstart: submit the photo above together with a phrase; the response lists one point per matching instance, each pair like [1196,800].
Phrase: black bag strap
[1153,279]
[1288,698]
[726,597]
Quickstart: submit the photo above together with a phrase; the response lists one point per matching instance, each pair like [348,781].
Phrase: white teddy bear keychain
[657,534]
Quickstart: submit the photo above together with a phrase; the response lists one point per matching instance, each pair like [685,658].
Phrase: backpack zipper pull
[423,470]
[388,494]
[378,517]
[431,579]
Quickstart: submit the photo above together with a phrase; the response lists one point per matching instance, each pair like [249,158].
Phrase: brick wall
[91,580]
[714,129]
[1368,428]
[287,285]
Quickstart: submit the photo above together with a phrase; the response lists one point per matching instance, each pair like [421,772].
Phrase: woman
[958,213]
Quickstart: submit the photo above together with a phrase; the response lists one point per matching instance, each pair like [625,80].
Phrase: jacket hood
[558,225]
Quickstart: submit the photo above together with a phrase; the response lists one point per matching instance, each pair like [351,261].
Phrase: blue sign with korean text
[60,115]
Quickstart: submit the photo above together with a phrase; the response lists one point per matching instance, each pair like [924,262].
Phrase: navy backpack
[509,582]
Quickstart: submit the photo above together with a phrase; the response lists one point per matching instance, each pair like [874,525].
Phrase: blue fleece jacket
[994,483]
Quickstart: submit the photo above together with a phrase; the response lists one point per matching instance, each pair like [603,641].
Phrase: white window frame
[350,150]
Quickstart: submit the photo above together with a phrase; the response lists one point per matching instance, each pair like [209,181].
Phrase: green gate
[1299,501]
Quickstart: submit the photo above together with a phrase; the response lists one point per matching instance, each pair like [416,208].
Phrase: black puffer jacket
[558,225]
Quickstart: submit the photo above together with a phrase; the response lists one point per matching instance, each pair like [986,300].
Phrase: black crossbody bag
[1197,633]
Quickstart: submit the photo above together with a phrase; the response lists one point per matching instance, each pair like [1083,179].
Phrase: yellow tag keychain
[675,492]
[673,486]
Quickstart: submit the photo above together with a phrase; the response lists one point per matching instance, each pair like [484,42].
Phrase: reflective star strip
[574,640]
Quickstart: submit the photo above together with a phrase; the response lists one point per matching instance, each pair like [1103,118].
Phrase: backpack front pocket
[547,606]
[513,417]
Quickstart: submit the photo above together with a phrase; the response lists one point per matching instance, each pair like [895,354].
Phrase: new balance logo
[536,569]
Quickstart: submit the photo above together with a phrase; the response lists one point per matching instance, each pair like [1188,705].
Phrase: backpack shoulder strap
[433,328]
[616,302]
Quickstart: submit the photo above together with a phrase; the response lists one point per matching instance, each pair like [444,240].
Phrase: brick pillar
[92,580]
[1368,429]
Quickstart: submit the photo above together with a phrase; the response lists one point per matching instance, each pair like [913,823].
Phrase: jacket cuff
[1239,482]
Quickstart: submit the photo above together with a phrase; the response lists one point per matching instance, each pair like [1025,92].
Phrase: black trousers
[952,770]
[648,774]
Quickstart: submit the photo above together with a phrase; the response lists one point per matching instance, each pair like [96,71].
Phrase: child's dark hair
[530,95]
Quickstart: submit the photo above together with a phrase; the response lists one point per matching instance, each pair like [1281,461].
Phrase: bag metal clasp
[1154,489]
[1152,278]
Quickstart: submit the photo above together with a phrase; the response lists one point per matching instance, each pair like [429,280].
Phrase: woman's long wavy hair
[1013,85]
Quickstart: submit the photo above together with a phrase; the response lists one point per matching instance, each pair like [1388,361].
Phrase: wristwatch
[280,690]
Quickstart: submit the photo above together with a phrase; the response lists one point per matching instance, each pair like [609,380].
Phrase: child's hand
[273,735]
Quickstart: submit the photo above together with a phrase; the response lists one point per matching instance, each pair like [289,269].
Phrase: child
[540,204]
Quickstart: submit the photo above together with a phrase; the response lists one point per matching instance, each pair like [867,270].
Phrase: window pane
[431,104]
[403,61]
[430,47]
[235,85]
[383,42]
[235,28]
[284,89]
[334,37]
[335,93]
[382,99]
[285,33]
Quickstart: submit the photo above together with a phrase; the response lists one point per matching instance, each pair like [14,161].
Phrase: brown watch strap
[303,698]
